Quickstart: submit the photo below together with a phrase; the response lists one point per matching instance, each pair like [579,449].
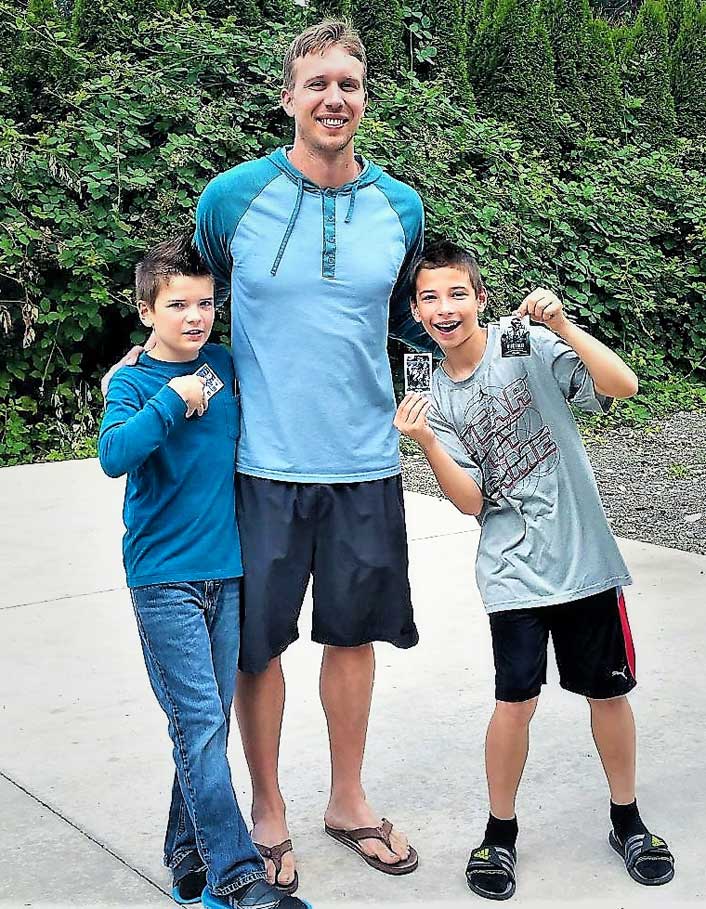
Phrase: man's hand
[411,419]
[129,359]
[544,306]
[191,390]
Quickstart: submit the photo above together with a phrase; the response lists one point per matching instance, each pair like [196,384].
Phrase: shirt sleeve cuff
[169,405]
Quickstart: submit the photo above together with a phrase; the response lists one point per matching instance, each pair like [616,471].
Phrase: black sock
[497,833]
[500,833]
[626,820]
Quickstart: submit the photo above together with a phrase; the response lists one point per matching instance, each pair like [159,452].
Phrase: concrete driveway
[85,765]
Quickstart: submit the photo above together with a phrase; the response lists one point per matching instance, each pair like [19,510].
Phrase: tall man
[313,245]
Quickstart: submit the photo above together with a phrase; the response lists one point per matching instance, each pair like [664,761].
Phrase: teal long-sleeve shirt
[179,509]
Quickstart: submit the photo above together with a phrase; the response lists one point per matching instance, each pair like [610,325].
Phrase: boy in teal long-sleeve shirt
[171,425]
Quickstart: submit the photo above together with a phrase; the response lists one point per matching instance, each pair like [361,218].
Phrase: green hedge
[108,152]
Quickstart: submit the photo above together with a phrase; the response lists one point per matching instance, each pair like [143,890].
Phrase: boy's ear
[415,310]
[482,298]
[144,311]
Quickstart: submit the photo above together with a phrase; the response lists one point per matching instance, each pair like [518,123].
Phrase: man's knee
[253,680]
[351,654]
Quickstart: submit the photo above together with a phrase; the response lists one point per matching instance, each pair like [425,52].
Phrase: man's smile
[332,121]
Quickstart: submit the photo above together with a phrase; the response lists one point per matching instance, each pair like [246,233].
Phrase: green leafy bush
[104,151]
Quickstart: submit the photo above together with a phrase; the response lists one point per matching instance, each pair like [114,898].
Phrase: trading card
[514,336]
[417,372]
[213,383]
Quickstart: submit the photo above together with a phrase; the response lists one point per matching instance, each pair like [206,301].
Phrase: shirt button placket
[329,250]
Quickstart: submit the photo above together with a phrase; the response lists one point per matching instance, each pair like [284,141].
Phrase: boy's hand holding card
[543,305]
[191,389]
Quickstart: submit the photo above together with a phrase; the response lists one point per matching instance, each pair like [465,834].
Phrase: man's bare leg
[346,687]
[506,749]
[613,728]
[259,706]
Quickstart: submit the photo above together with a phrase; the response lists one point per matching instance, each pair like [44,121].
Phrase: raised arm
[456,484]
[130,432]
[611,376]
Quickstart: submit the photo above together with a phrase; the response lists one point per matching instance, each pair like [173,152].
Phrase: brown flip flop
[351,838]
[274,854]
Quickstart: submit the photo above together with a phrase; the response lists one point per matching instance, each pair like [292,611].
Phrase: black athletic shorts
[350,536]
[592,643]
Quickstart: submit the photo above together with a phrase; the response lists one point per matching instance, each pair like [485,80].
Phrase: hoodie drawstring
[290,227]
[351,204]
[295,215]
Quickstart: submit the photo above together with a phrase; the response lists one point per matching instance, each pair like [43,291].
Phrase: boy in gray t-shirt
[504,446]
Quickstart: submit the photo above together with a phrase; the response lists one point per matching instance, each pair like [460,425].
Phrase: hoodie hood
[369,174]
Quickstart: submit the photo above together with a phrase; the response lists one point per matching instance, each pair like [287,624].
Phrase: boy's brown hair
[317,39]
[445,254]
[176,256]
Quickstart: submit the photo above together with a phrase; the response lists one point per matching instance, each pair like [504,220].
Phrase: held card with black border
[417,372]
[514,336]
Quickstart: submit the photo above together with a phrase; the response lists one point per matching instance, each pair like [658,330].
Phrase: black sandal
[492,861]
[640,850]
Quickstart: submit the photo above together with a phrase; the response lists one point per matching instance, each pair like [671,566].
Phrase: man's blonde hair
[317,39]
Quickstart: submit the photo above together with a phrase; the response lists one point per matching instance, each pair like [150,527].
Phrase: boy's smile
[447,305]
[182,317]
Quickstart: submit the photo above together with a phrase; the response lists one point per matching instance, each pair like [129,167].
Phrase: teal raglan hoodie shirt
[314,276]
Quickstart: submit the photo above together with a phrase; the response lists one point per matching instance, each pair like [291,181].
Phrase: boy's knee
[517,711]
[608,705]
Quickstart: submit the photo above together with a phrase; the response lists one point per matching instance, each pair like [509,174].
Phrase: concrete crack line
[83,832]
[438,536]
[68,596]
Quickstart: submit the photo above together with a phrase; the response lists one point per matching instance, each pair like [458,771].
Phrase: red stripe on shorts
[627,634]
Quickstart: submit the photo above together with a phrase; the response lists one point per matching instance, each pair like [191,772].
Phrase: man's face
[447,305]
[327,101]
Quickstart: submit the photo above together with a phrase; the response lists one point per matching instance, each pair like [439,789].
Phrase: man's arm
[130,359]
[456,484]
[611,376]
[212,237]
[409,209]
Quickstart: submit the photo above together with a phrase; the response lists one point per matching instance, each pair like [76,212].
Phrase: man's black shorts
[350,536]
[592,643]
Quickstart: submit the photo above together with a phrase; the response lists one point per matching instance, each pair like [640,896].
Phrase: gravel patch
[652,481]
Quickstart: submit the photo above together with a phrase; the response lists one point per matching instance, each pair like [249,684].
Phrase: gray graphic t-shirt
[544,535]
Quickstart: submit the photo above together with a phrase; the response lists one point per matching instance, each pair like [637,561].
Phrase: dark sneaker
[188,889]
[258,895]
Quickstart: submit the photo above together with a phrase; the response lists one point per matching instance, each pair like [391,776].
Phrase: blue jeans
[190,637]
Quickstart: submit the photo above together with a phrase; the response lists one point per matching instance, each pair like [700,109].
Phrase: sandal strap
[381,833]
[492,858]
[275,853]
[645,846]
